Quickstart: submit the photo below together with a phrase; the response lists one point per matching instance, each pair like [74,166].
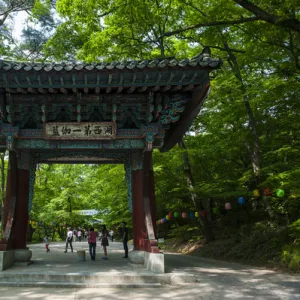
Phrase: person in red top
[92,243]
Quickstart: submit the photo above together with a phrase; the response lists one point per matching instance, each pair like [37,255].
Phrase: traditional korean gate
[98,113]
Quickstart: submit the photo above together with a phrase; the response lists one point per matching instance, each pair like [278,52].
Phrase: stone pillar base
[6,259]
[81,255]
[154,262]
[136,257]
[22,255]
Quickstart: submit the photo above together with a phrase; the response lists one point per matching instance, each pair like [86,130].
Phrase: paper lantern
[157,223]
[228,206]
[256,193]
[192,214]
[162,221]
[176,214]
[165,220]
[267,192]
[196,214]
[280,193]
[29,222]
[167,217]
[241,200]
[203,213]
[170,215]
[184,215]
[215,210]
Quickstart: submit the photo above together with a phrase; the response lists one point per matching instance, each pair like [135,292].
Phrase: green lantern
[280,193]
[176,214]
[215,210]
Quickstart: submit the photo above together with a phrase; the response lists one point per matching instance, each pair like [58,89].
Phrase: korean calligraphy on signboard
[80,131]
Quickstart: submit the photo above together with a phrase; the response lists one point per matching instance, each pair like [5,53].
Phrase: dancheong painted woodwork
[151,103]
[95,113]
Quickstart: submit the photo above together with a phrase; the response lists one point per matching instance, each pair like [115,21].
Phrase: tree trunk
[253,149]
[209,235]
[255,158]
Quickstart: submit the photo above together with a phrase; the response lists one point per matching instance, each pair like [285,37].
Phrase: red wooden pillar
[152,194]
[19,231]
[6,242]
[138,215]
[149,203]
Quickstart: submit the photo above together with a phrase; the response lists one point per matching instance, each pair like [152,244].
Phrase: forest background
[244,143]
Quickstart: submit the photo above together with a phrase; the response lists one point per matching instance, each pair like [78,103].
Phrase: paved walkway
[216,280]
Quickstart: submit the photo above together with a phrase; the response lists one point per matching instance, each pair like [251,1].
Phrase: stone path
[215,280]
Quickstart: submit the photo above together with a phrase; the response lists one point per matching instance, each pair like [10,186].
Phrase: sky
[19,24]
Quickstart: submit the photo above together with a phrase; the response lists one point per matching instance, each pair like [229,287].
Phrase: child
[46,241]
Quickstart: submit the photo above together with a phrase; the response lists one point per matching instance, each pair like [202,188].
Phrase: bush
[291,257]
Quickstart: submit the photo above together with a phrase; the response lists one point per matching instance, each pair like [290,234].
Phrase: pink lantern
[267,192]
[228,206]
[162,221]
[203,213]
[184,215]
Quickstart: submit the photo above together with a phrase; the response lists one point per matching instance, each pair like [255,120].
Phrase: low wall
[7,259]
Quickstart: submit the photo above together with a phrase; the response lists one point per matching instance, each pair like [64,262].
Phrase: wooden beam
[192,108]
[42,91]
[21,90]
[166,88]
[142,89]
[97,90]
[131,89]
[119,90]
[63,90]
[188,88]
[33,91]
[9,90]
[156,88]
[176,88]
[86,90]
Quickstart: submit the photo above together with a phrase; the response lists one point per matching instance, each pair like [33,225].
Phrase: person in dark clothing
[125,238]
[104,241]
[92,243]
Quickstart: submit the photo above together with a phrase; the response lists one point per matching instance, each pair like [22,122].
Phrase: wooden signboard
[80,131]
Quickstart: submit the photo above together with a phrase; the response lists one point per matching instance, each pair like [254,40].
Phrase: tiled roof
[202,60]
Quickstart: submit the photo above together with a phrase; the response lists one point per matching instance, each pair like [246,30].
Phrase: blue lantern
[192,215]
[241,200]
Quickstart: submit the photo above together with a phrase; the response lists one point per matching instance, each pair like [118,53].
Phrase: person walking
[104,241]
[125,238]
[46,241]
[92,243]
[79,234]
[69,240]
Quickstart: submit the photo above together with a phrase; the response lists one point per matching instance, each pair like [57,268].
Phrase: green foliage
[246,136]
[60,190]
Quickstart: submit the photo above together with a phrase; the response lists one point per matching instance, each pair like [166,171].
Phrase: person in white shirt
[69,240]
